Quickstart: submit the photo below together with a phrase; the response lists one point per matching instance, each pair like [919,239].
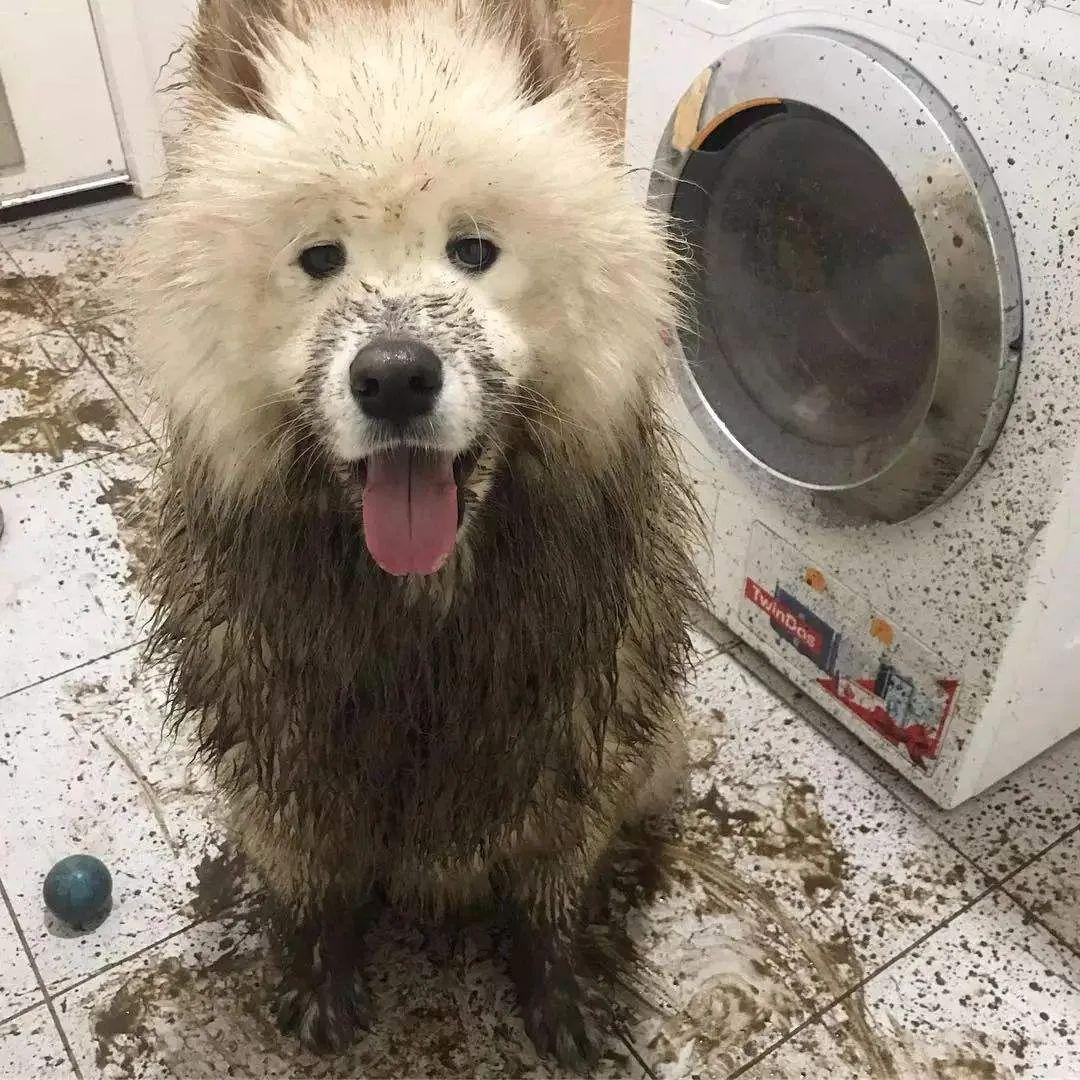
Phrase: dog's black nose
[395,379]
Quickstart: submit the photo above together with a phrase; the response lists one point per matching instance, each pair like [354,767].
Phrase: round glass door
[854,293]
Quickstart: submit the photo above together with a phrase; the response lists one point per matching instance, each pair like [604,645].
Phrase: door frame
[138,117]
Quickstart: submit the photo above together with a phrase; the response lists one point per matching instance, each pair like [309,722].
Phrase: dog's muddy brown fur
[432,742]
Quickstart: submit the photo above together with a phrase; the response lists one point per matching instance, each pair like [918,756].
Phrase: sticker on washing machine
[856,662]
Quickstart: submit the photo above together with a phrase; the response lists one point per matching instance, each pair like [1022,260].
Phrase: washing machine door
[855,322]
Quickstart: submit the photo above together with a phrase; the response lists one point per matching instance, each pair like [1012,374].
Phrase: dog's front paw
[559,1016]
[327,1016]
[557,1026]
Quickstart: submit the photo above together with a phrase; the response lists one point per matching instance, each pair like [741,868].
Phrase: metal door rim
[922,142]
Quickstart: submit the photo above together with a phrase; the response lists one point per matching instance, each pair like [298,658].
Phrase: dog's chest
[429,765]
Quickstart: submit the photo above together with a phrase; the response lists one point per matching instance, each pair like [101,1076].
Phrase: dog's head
[395,242]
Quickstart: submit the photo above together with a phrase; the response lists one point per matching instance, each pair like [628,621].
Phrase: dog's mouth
[414,505]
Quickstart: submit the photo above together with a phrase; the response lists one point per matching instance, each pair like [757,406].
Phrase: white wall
[162,25]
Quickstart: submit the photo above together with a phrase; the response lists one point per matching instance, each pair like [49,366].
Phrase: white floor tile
[801,873]
[989,996]
[1050,887]
[89,746]
[68,555]
[18,987]
[30,1048]
[110,344]
[55,409]
[74,265]
[999,829]
[23,311]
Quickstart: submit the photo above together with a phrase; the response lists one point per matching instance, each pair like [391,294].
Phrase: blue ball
[78,890]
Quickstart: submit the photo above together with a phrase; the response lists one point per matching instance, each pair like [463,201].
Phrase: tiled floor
[820,918]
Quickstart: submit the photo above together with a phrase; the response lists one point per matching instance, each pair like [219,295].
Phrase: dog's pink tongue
[410,511]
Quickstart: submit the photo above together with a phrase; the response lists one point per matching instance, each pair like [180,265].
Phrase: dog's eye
[472,254]
[323,260]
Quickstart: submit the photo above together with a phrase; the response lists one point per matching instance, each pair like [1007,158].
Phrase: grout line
[19,1013]
[40,981]
[77,667]
[92,460]
[66,988]
[817,1016]
[1064,942]
[70,330]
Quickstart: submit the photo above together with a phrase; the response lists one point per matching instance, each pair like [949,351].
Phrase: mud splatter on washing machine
[879,372]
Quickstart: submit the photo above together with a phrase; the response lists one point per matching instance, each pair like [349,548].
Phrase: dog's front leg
[323,998]
[545,904]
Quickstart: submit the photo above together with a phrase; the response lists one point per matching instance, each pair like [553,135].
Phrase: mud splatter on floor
[128,1025]
[829,1053]
[443,1010]
[45,406]
[730,968]
[132,504]
[22,295]
[222,881]
[75,270]
[745,968]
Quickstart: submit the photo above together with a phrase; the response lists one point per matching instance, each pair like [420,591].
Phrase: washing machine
[877,210]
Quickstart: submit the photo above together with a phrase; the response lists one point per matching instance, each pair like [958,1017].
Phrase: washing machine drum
[855,309]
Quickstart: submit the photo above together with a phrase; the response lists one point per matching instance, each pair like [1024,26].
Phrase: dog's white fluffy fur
[387,139]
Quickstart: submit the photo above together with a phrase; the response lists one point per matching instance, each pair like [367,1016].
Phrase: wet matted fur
[485,731]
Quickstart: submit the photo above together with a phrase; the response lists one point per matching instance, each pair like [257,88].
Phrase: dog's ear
[229,38]
[231,35]
[541,33]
